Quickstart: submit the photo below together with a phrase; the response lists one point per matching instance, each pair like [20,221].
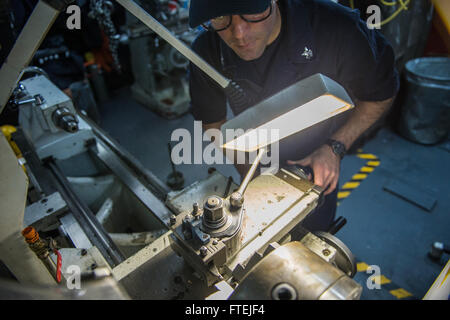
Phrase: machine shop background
[133,85]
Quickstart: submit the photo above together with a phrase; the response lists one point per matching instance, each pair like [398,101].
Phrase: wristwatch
[337,147]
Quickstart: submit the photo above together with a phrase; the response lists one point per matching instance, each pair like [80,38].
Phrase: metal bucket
[425,116]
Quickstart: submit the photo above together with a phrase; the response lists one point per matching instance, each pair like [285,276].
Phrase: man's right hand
[325,165]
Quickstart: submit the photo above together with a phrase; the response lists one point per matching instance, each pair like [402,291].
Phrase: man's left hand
[325,165]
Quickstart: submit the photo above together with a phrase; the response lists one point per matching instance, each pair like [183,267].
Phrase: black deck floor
[383,229]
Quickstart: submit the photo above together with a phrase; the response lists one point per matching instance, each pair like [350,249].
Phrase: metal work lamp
[291,110]
[302,105]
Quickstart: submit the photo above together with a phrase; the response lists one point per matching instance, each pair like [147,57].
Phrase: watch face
[338,148]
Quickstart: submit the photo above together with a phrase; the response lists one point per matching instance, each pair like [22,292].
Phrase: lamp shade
[297,107]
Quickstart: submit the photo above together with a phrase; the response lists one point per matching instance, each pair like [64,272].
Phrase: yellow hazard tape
[343,194]
[400,293]
[366,169]
[345,191]
[350,185]
[381,280]
[359,176]
[366,156]
[361,266]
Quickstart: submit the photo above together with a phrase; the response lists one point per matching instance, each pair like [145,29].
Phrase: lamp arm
[232,90]
[237,197]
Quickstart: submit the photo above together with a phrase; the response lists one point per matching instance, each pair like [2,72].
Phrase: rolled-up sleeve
[366,62]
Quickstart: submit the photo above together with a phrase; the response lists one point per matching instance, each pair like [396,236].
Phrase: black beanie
[201,11]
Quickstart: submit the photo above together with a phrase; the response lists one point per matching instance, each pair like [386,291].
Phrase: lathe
[82,218]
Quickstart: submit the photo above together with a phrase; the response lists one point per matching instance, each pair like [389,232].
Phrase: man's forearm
[366,113]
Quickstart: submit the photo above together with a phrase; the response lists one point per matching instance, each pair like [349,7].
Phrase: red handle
[58,265]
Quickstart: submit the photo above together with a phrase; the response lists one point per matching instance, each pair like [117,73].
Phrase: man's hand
[325,165]
[324,162]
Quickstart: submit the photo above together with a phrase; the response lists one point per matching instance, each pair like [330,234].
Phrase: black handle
[337,225]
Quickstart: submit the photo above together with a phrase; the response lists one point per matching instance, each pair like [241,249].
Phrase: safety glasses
[223,22]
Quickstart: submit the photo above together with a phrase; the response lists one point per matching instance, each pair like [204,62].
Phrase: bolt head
[213,202]
[213,209]
[195,209]
[236,199]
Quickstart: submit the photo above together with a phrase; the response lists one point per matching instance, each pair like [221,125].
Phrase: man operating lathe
[266,46]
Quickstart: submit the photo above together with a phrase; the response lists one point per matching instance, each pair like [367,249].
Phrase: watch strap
[337,147]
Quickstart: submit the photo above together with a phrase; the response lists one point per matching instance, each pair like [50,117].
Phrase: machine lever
[337,225]
[237,197]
